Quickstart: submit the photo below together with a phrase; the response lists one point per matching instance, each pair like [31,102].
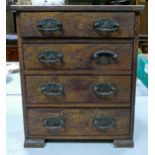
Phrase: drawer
[78,56]
[77,24]
[54,123]
[77,89]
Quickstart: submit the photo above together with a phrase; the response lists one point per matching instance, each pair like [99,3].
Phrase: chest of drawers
[78,72]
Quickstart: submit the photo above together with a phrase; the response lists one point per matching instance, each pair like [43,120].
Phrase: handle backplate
[52,89]
[104,122]
[49,25]
[54,122]
[51,57]
[104,89]
[105,57]
[106,25]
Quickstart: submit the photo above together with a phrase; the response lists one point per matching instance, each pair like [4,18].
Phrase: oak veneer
[79,56]
[78,115]
[77,24]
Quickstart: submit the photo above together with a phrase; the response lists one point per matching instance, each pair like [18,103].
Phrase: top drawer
[77,24]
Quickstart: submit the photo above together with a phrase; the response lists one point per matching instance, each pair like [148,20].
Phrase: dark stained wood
[143,43]
[77,72]
[81,105]
[77,89]
[11,47]
[22,77]
[78,56]
[78,102]
[144,46]
[73,8]
[143,24]
[82,138]
[134,76]
[12,54]
[38,143]
[77,24]
[124,143]
[78,122]
[77,41]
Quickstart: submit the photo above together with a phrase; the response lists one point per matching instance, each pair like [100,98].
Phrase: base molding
[123,143]
[34,143]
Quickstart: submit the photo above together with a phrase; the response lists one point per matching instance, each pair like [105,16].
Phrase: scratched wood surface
[77,89]
[77,24]
[78,8]
[78,56]
[79,106]
[78,122]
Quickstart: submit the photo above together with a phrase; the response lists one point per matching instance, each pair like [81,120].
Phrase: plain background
[151,101]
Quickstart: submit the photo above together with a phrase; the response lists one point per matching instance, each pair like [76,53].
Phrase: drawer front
[77,24]
[78,122]
[78,56]
[77,89]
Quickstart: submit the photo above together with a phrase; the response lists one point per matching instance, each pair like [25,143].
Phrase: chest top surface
[83,8]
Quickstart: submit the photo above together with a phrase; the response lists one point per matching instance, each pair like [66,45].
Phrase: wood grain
[80,8]
[78,56]
[78,89]
[78,106]
[78,122]
[134,76]
[22,77]
[77,24]
[77,72]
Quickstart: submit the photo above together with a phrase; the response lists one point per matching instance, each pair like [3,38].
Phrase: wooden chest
[78,72]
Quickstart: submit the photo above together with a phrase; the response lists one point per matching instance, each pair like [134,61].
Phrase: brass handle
[106,25]
[104,122]
[52,89]
[104,89]
[51,57]
[49,25]
[54,122]
[104,57]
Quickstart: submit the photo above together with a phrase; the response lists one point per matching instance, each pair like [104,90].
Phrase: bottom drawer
[86,122]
